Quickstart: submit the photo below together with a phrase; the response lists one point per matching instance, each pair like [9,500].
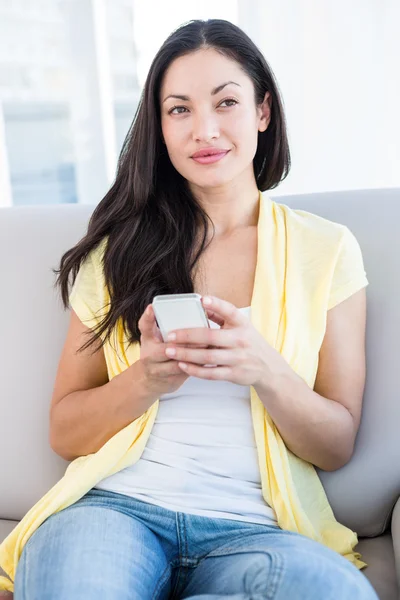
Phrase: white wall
[336,61]
[337,64]
[156,19]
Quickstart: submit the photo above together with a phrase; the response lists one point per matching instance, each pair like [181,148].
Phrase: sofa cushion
[381,571]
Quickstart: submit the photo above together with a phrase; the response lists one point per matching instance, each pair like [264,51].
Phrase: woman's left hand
[239,352]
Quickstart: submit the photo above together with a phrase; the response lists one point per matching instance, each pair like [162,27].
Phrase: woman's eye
[233,102]
[171,112]
[180,110]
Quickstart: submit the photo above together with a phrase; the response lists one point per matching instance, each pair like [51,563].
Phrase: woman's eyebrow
[213,92]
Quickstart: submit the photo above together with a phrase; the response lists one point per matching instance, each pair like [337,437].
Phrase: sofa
[364,494]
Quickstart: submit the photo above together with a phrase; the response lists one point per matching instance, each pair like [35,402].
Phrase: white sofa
[33,326]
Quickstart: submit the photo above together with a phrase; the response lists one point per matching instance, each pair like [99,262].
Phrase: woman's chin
[214,180]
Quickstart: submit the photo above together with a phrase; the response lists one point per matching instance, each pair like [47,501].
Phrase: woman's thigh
[276,567]
[86,552]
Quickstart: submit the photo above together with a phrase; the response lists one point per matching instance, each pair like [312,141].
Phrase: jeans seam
[277,568]
[186,539]
[161,582]
[185,558]
[233,550]
[179,537]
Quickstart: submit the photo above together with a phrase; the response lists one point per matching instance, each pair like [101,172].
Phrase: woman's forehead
[201,71]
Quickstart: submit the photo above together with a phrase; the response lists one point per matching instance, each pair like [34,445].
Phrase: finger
[204,356]
[147,321]
[147,325]
[219,338]
[164,368]
[156,354]
[215,373]
[168,369]
[212,316]
[157,333]
[231,315]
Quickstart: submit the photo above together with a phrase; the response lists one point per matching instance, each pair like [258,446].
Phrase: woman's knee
[315,575]
[282,574]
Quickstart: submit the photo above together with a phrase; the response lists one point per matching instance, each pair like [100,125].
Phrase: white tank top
[201,456]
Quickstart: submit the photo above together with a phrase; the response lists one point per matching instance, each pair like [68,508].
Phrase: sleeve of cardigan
[349,274]
[84,297]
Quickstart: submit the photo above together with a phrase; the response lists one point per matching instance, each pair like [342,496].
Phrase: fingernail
[206,300]
[171,337]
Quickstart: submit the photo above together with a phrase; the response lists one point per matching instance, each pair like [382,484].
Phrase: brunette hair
[149,216]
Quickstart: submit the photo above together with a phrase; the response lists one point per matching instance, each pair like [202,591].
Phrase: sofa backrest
[33,326]
[363,493]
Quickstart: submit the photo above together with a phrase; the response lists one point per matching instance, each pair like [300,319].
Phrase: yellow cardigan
[305,266]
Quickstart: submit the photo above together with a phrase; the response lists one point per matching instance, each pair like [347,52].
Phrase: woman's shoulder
[312,228]
[97,253]
[326,251]
[90,276]
[328,246]
[93,263]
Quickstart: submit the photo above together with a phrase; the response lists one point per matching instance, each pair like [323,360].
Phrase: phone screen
[179,311]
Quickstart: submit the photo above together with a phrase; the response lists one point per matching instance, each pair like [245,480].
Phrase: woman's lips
[212,158]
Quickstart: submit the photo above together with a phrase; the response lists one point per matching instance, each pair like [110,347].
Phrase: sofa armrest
[396,537]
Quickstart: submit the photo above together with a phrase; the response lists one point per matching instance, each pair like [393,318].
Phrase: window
[71,74]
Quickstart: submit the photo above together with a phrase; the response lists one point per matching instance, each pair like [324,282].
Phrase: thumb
[155,330]
[224,311]
[147,323]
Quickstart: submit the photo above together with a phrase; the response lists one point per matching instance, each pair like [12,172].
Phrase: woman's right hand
[162,374]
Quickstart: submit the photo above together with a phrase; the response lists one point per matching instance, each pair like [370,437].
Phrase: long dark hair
[149,215]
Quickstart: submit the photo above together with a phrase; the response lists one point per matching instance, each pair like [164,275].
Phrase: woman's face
[208,102]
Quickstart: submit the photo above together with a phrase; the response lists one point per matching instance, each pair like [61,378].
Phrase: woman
[191,482]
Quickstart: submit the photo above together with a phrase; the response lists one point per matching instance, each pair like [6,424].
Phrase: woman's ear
[265,112]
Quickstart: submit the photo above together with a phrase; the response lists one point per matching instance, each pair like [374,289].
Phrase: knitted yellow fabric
[305,266]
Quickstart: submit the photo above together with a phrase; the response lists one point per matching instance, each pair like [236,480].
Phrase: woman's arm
[321,426]
[87,409]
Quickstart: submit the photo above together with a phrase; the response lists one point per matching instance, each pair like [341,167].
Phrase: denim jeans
[112,547]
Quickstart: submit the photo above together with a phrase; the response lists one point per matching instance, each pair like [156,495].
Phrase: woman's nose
[205,128]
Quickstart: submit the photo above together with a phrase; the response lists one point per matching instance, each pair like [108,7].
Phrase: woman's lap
[92,552]
[117,548]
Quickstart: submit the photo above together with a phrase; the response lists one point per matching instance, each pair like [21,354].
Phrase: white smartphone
[179,311]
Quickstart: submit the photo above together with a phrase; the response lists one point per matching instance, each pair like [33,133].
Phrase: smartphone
[179,311]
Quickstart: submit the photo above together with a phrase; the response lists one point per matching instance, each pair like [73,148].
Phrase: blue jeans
[112,547]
